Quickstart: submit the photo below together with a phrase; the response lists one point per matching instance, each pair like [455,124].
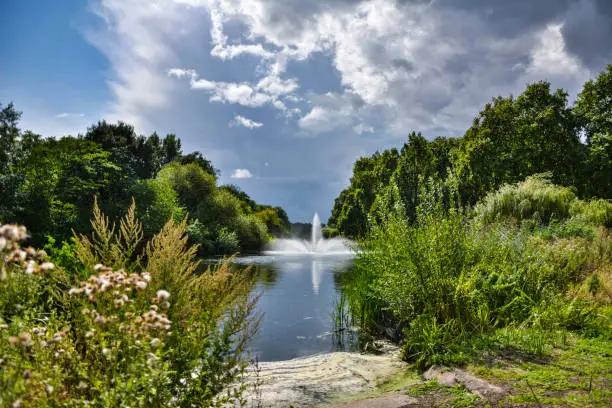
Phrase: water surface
[299,296]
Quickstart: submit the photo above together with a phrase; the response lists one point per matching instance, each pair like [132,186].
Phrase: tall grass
[535,198]
[137,326]
[449,279]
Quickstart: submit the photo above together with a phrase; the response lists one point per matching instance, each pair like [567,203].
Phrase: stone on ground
[450,377]
[310,381]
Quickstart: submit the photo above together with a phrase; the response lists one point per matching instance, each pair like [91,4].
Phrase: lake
[299,297]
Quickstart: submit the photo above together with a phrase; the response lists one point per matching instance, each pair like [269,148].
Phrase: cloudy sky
[284,95]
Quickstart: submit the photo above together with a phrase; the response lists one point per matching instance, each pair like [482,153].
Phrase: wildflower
[82,385]
[75,291]
[39,331]
[162,294]
[3,243]
[165,305]
[155,343]
[89,334]
[24,339]
[141,285]
[146,276]
[49,389]
[98,267]
[3,326]
[57,337]
[106,352]
[30,267]
[100,319]
[46,266]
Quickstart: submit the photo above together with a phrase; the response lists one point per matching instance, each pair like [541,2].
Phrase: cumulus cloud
[241,174]
[265,92]
[69,115]
[245,122]
[362,72]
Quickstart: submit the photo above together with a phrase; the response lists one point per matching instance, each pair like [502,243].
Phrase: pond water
[300,298]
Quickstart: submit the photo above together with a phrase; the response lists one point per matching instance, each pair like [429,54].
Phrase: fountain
[317,246]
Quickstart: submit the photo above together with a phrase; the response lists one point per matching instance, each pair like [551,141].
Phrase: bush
[573,227]
[448,279]
[597,211]
[536,197]
[251,232]
[141,330]
[227,242]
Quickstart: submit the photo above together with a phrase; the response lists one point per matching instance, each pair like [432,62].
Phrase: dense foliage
[509,140]
[117,321]
[496,239]
[49,185]
[448,279]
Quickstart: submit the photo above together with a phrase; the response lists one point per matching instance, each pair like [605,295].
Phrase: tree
[61,179]
[197,158]
[594,111]
[9,146]
[515,138]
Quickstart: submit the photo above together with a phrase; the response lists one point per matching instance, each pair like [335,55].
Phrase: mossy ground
[575,374]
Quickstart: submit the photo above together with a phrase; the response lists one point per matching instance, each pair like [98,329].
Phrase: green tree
[515,138]
[594,110]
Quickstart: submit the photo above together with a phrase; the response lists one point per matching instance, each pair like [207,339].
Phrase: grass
[577,374]
[451,281]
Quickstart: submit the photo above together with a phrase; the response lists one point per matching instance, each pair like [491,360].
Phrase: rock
[477,385]
[443,375]
[450,377]
[309,381]
[387,401]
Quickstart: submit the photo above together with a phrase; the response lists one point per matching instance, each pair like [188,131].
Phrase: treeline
[510,139]
[50,185]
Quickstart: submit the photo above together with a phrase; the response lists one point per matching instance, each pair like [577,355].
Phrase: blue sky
[284,95]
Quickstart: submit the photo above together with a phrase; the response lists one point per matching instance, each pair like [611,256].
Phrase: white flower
[46,266]
[3,243]
[155,343]
[98,267]
[141,285]
[162,294]
[75,291]
[31,265]
[106,352]
[89,334]
[49,389]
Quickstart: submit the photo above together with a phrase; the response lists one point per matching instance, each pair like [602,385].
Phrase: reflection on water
[300,300]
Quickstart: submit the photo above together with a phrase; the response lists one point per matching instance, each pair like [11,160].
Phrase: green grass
[578,374]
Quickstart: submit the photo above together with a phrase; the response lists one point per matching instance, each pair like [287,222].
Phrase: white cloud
[245,122]
[363,128]
[238,93]
[550,57]
[69,115]
[241,174]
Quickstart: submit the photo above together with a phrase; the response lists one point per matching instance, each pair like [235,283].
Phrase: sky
[284,95]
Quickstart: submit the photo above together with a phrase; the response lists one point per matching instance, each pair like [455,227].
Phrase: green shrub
[536,197]
[251,232]
[227,242]
[597,211]
[573,227]
[145,331]
[449,279]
